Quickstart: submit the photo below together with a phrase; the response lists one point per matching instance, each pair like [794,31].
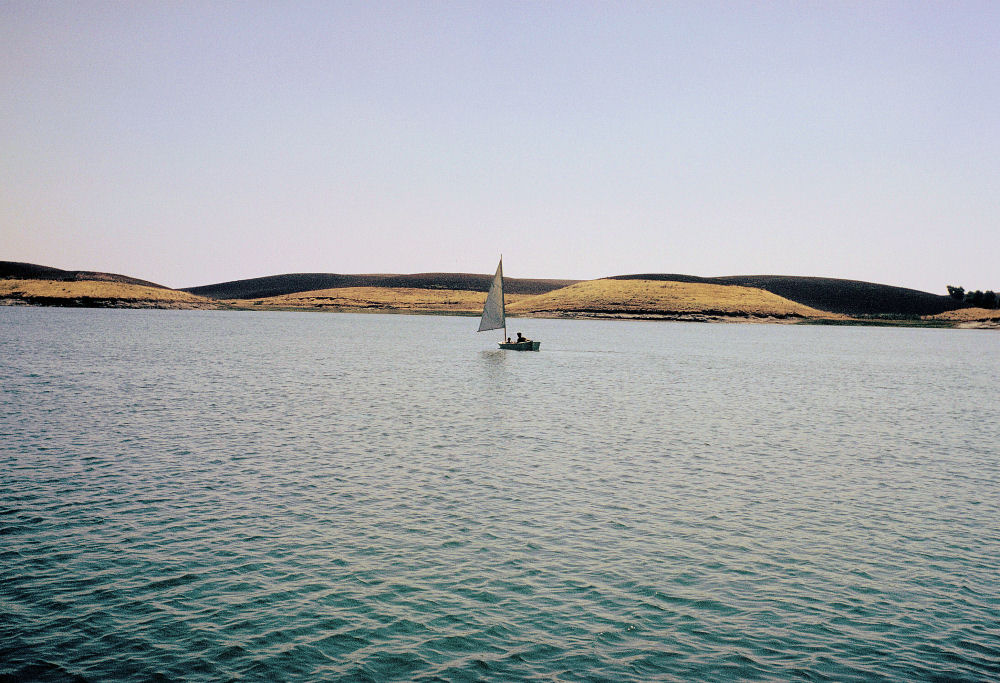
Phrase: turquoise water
[212,496]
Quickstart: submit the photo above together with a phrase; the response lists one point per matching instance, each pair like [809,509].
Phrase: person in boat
[508,340]
[521,338]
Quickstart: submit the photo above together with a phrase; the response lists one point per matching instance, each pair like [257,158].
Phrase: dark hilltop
[292,283]
[30,271]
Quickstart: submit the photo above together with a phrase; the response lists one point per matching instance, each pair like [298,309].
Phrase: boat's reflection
[494,356]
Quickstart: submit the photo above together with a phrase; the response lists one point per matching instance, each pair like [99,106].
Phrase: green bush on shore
[978,298]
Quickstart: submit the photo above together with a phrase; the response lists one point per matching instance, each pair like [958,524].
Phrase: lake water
[189,495]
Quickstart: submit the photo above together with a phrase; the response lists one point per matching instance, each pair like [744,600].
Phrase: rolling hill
[31,271]
[378,299]
[849,297]
[664,299]
[293,283]
[656,295]
[96,294]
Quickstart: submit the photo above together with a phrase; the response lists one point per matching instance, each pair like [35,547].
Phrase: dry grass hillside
[595,298]
[663,299]
[850,297]
[382,299]
[96,293]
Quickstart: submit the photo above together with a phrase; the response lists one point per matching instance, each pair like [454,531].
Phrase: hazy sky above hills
[195,142]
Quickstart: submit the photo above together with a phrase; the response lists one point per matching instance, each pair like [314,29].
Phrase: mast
[503,300]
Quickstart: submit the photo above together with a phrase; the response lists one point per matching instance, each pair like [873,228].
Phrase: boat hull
[520,346]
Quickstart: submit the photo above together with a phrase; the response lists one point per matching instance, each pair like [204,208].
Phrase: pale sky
[190,143]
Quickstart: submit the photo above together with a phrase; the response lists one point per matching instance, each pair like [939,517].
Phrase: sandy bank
[971,318]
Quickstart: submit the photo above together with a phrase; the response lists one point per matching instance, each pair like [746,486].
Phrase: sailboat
[495,315]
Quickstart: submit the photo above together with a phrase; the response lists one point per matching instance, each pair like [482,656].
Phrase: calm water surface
[214,496]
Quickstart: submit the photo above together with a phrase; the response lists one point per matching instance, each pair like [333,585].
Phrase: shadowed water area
[212,496]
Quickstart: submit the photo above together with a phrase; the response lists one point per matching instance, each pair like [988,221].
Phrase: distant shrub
[977,298]
[981,299]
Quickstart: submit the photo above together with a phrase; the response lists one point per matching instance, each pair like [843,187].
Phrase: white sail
[493,311]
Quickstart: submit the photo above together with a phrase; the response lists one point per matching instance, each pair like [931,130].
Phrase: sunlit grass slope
[384,299]
[626,298]
[965,315]
[97,293]
[654,298]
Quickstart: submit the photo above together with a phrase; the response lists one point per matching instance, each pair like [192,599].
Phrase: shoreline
[704,317]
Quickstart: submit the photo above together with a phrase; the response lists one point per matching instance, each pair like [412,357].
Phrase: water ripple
[192,496]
